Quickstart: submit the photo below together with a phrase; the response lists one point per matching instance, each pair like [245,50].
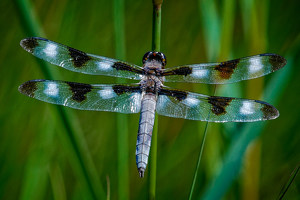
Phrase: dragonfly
[150,95]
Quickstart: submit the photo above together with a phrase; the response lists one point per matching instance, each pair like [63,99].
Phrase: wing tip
[29,44]
[29,87]
[275,113]
[277,61]
[269,111]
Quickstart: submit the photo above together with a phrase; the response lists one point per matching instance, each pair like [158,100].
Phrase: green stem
[80,156]
[289,183]
[156,32]
[198,162]
[122,120]
[200,154]
[156,26]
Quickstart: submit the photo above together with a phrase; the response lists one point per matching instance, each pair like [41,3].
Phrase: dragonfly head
[154,55]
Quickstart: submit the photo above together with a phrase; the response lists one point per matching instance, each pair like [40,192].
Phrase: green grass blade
[57,182]
[213,35]
[156,35]
[108,188]
[198,162]
[122,120]
[80,156]
[289,183]
[74,140]
[256,22]
[228,16]
[211,27]
[32,27]
[35,181]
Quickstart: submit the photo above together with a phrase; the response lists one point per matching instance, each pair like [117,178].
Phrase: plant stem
[198,162]
[156,26]
[156,33]
[122,120]
[288,184]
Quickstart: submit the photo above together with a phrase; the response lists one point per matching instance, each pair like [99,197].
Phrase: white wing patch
[51,90]
[51,50]
[104,66]
[191,101]
[107,93]
[247,108]
[255,65]
[200,73]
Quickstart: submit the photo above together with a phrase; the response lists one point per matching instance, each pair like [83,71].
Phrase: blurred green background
[41,158]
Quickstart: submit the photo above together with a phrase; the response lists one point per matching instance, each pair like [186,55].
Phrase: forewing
[226,72]
[187,105]
[114,98]
[78,61]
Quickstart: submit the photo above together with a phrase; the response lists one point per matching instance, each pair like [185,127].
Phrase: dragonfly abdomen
[145,131]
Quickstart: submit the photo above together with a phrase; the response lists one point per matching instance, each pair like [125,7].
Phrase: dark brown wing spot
[219,104]
[121,89]
[29,44]
[178,94]
[125,67]
[79,58]
[227,68]
[28,88]
[269,112]
[79,91]
[184,70]
[277,62]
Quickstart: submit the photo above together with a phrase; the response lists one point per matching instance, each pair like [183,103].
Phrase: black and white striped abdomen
[145,131]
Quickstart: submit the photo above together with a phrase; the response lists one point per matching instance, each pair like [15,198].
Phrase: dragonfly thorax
[153,68]
[151,84]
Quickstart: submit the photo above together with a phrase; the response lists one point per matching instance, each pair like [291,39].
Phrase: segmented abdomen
[145,131]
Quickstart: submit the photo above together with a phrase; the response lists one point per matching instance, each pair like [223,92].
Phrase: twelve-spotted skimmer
[150,95]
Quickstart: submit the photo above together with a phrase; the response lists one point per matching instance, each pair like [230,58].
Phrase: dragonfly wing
[79,61]
[193,106]
[114,98]
[226,72]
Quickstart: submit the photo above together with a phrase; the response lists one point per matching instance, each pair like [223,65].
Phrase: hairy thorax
[152,81]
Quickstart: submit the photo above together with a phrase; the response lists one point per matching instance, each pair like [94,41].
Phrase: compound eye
[146,56]
[163,59]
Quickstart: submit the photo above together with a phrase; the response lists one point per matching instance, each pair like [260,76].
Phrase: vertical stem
[156,26]
[122,120]
[198,162]
[211,28]
[156,32]
[288,184]
[200,154]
